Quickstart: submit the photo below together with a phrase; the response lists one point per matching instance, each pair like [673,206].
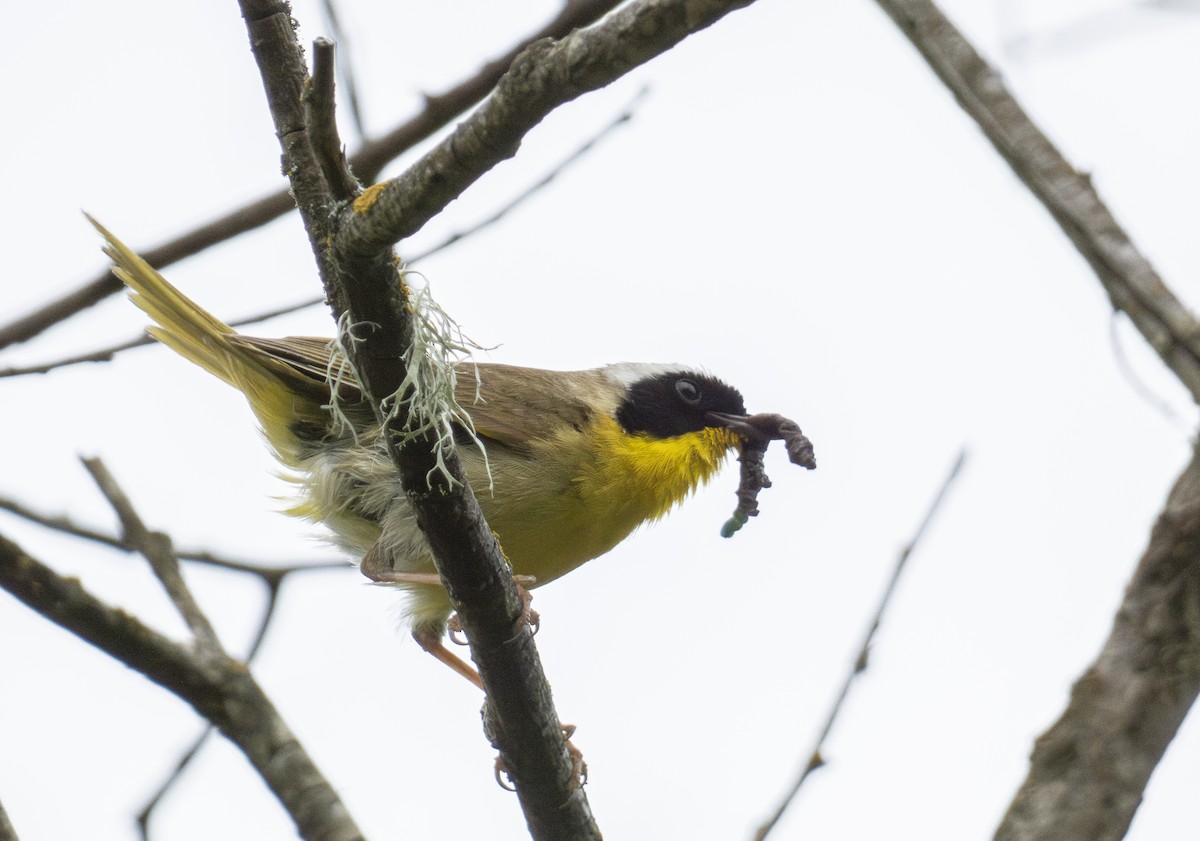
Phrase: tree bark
[1088,771]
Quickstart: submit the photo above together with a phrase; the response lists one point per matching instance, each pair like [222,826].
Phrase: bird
[566,464]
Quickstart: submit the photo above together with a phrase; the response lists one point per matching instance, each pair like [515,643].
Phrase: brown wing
[519,406]
[510,405]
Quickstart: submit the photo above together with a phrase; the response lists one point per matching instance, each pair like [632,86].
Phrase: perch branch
[218,687]
[367,288]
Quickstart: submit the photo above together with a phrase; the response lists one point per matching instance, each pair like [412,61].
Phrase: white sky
[799,207]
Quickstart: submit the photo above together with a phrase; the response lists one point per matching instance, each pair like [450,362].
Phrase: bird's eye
[688,391]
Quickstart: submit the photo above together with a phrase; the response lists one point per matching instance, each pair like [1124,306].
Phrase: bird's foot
[528,616]
[579,769]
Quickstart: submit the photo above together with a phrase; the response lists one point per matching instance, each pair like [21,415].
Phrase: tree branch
[345,66]
[67,526]
[7,833]
[218,687]
[368,290]
[273,583]
[353,247]
[1088,771]
[1133,285]
[319,106]
[108,353]
[368,161]
[816,756]
[156,548]
[547,74]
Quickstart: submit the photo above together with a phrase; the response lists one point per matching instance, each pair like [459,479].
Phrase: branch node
[321,122]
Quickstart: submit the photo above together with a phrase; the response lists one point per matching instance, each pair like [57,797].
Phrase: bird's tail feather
[269,383]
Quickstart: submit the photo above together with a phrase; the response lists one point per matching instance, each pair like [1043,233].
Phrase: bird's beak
[738,423]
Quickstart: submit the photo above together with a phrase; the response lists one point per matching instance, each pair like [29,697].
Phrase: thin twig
[345,66]
[543,77]
[65,524]
[147,811]
[1140,387]
[271,576]
[102,355]
[368,161]
[107,354]
[816,755]
[156,548]
[320,118]
[621,119]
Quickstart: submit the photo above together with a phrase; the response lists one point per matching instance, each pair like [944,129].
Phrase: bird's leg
[375,565]
[431,642]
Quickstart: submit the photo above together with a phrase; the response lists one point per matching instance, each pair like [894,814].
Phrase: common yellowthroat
[576,460]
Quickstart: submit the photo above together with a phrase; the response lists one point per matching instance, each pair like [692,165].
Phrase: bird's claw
[528,615]
[579,769]
[454,630]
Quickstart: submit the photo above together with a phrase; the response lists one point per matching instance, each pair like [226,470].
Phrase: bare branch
[147,812]
[1133,285]
[7,833]
[345,66]
[322,126]
[218,687]
[546,75]
[107,354]
[103,355]
[621,119]
[66,525]
[1088,771]
[181,765]
[63,523]
[816,756]
[1137,382]
[440,109]
[156,548]
[368,161]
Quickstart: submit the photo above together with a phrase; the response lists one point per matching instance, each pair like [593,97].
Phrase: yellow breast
[580,496]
